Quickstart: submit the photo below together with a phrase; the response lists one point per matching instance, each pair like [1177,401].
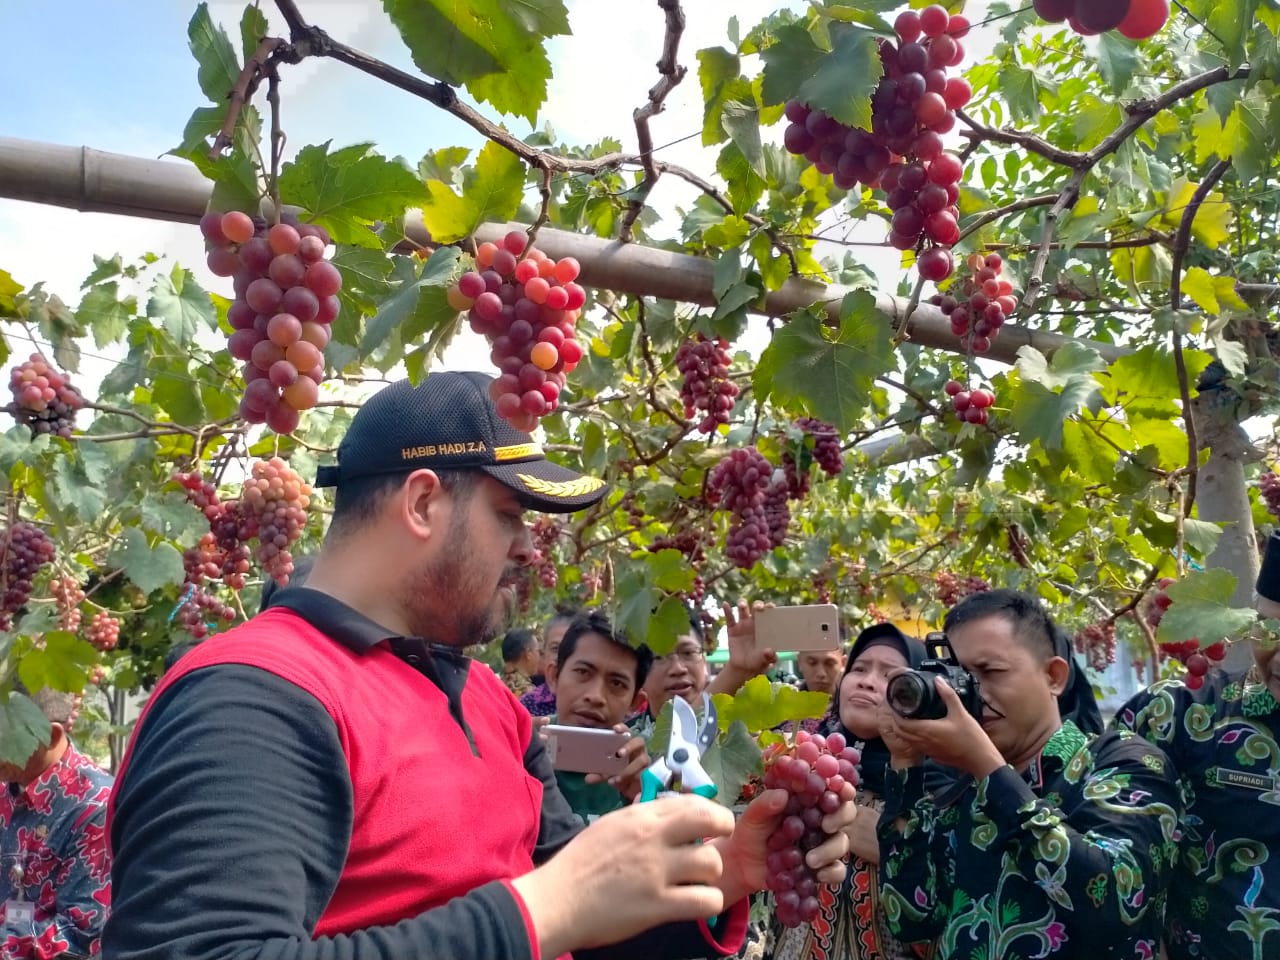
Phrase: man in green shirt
[596,680]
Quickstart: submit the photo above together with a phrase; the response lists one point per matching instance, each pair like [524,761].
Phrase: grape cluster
[1160,602]
[103,631]
[97,675]
[706,389]
[1198,660]
[1097,642]
[286,298]
[43,398]
[67,597]
[777,514]
[274,500]
[1269,488]
[951,589]
[824,450]
[24,550]
[971,406]
[200,606]
[821,774]
[688,542]
[545,531]
[740,483]
[526,307]
[983,305]
[1135,19]
[913,105]
[223,551]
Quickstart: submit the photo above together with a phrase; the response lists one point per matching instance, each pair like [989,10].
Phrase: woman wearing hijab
[850,925]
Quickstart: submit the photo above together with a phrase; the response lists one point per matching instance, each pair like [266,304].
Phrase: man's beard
[435,598]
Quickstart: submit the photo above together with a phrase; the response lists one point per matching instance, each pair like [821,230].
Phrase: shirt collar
[71,757]
[1258,702]
[1057,752]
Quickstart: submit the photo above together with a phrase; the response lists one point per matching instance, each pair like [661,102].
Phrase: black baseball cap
[449,422]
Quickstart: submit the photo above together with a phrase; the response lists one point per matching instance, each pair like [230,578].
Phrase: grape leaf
[150,568]
[828,374]
[1202,608]
[718,72]
[762,704]
[1231,24]
[61,664]
[742,122]
[210,45]
[491,191]
[1117,60]
[731,761]
[350,189]
[838,81]
[179,397]
[182,305]
[23,729]
[1042,395]
[493,47]
[104,314]
[253,27]
[668,624]
[671,572]
[400,307]
[9,290]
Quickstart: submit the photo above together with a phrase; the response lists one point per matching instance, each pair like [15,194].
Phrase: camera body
[912,695]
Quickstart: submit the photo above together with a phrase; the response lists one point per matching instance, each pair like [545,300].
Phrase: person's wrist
[984,763]
[548,913]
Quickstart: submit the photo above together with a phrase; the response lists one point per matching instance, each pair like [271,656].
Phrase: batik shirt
[540,701]
[53,854]
[1071,858]
[1224,900]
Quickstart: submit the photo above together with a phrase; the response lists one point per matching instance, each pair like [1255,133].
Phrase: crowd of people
[335,778]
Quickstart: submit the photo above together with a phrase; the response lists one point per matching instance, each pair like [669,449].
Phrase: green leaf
[762,705]
[1198,285]
[1117,60]
[491,191]
[1200,535]
[494,47]
[150,568]
[828,374]
[63,664]
[742,122]
[1045,393]
[219,68]
[400,308]
[104,314]
[671,572]
[179,397]
[838,82]
[1069,363]
[1201,608]
[1146,381]
[667,625]
[347,191]
[23,729]
[181,304]
[1233,356]
[717,70]
[731,761]
[253,27]
[1231,24]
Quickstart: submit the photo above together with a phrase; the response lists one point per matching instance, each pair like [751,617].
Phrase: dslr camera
[912,694]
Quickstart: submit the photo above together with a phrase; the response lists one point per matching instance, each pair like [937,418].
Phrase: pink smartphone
[585,749]
[808,627]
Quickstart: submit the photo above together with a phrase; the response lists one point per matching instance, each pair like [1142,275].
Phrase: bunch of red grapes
[25,550]
[820,444]
[198,607]
[526,307]
[982,305]
[1135,19]
[706,389]
[103,631]
[913,105]
[1097,642]
[545,532]
[1190,653]
[821,775]
[740,484]
[274,501]
[1269,488]
[67,597]
[43,398]
[286,298]
[952,589]
[970,406]
[223,551]
[777,514]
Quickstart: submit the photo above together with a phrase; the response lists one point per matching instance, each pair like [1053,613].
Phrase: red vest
[432,820]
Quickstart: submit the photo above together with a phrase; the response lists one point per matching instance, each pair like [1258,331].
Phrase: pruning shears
[680,769]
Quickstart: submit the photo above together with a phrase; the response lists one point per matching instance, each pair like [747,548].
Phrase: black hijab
[875,753]
[1077,702]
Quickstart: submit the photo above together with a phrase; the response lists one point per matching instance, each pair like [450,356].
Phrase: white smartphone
[585,749]
[801,628]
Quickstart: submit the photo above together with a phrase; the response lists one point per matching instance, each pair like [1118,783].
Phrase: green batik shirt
[1071,859]
[1224,900]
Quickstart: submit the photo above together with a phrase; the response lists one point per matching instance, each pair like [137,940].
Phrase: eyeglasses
[687,656]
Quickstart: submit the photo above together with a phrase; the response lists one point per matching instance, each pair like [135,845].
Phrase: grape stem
[254,69]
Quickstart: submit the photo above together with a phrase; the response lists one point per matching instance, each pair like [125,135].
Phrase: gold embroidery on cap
[561,488]
[443,450]
[517,451]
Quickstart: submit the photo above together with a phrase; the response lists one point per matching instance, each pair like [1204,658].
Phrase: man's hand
[901,753]
[627,782]
[746,660]
[645,867]
[746,850]
[957,740]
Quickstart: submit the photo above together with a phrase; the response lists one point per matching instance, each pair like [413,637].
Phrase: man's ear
[1058,672]
[553,674]
[420,499]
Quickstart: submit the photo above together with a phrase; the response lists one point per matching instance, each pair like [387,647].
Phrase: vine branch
[245,84]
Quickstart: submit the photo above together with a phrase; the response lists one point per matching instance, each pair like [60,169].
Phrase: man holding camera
[1052,840]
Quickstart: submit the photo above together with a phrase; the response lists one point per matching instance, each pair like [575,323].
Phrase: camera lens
[906,694]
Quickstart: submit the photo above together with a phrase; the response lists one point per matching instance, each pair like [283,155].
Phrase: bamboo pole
[101,182]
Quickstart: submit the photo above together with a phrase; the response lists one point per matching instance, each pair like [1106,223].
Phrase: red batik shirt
[53,855]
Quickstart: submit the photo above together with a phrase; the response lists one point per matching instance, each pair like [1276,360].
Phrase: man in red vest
[332,779]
